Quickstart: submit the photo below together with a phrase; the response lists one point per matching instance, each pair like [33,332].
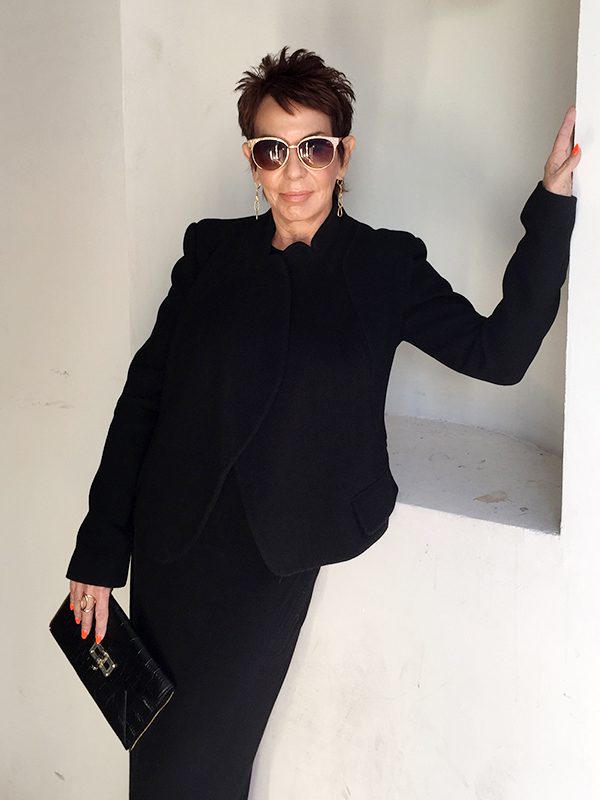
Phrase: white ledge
[473,472]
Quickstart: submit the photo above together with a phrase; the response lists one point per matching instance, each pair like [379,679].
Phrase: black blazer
[199,389]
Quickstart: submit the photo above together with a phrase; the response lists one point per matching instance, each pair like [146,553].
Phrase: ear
[349,143]
[248,155]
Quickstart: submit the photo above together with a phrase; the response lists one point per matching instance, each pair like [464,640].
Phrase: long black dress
[226,628]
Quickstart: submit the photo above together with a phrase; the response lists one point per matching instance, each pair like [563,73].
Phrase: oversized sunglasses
[315,152]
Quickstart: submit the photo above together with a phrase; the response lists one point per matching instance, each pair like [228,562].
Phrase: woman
[248,446]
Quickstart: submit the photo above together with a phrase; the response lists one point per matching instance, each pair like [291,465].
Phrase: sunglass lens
[316,153]
[269,154]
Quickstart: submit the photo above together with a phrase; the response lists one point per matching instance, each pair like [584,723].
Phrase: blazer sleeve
[498,348]
[104,541]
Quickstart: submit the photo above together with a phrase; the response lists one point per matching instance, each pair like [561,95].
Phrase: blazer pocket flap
[374,504]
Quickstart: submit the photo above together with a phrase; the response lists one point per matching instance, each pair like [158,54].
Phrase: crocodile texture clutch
[126,683]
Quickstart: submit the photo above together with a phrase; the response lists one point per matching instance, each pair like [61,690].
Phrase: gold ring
[87,598]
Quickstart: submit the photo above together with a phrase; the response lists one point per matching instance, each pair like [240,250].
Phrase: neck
[288,231]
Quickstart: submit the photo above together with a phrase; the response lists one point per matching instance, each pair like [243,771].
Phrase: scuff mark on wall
[493,497]
[26,402]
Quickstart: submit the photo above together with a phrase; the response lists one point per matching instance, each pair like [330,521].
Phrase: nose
[294,168]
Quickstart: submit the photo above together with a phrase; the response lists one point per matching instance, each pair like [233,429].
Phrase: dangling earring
[340,188]
[256,201]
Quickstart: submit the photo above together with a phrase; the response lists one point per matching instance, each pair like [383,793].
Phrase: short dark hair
[301,78]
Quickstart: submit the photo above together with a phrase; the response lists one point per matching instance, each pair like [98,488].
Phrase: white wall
[458,104]
[65,342]
[432,668]
[581,528]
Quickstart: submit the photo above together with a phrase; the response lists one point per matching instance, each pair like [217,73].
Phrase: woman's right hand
[94,610]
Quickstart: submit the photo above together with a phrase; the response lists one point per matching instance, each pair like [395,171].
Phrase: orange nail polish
[71,606]
[98,639]
[77,620]
[84,634]
[576,150]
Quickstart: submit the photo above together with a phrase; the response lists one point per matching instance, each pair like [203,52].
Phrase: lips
[295,197]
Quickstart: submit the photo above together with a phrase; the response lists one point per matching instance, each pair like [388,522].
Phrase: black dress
[226,628]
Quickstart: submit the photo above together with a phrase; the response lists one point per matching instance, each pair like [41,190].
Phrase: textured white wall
[458,104]
[65,348]
[432,668]
[581,528]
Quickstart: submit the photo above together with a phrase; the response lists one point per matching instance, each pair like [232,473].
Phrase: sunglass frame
[334,140]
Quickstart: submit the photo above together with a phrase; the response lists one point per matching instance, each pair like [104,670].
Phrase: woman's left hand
[558,172]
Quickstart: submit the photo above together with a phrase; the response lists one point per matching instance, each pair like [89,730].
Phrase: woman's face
[300,198]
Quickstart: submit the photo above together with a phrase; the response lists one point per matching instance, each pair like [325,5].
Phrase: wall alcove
[457,107]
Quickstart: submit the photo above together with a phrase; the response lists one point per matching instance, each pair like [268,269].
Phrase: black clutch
[127,684]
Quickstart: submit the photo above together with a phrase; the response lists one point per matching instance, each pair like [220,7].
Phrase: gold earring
[340,188]
[256,201]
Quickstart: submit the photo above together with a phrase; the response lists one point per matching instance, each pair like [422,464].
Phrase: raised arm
[500,348]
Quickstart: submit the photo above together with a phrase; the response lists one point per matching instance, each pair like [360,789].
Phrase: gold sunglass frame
[335,140]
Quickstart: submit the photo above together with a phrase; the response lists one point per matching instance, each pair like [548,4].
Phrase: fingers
[101,612]
[76,594]
[89,605]
[564,158]
[569,164]
[564,138]
[88,608]
[559,178]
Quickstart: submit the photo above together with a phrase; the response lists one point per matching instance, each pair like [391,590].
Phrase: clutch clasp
[102,660]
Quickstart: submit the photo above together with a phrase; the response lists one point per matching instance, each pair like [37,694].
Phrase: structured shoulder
[384,243]
[203,237]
